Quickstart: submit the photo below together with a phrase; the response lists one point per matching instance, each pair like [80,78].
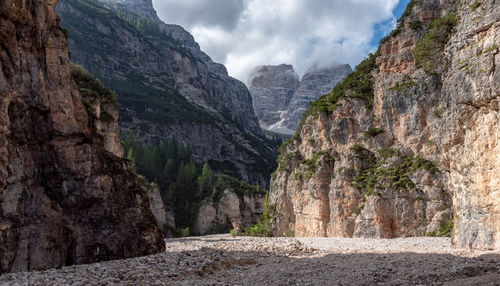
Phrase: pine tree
[205,181]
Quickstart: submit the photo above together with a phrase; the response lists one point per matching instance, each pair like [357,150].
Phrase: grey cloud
[248,33]
[189,13]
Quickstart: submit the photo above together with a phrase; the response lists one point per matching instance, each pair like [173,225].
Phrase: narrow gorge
[129,157]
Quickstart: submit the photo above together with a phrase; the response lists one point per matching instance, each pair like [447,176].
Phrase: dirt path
[223,260]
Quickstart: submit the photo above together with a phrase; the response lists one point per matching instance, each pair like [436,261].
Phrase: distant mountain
[167,86]
[280,99]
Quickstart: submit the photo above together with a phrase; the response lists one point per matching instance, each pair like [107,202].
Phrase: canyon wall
[230,212]
[66,196]
[408,144]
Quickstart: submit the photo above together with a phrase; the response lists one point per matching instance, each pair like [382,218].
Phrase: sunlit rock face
[368,171]
[280,99]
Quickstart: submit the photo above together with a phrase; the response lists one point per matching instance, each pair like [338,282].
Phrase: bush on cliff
[430,48]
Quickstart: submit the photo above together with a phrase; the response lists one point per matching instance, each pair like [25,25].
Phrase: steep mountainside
[167,87]
[316,82]
[280,99]
[408,144]
[272,89]
[66,196]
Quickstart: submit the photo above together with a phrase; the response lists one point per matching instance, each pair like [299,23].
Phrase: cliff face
[66,197]
[272,88]
[416,152]
[316,82]
[280,99]
[167,86]
[230,212]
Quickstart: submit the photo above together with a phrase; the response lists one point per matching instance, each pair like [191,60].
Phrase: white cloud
[243,34]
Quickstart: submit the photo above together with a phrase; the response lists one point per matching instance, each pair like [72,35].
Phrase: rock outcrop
[167,86]
[280,99]
[230,212]
[164,215]
[408,144]
[272,88]
[66,196]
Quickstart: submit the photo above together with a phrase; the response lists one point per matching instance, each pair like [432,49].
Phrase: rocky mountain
[272,88]
[66,196]
[408,143]
[230,212]
[280,99]
[167,87]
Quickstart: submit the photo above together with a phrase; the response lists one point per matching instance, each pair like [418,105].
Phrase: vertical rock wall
[423,155]
[66,197]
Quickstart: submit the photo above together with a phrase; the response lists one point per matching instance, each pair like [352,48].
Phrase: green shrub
[386,152]
[185,232]
[106,117]
[290,233]
[475,5]
[358,84]
[406,83]
[92,90]
[416,25]
[377,176]
[493,48]
[444,231]
[264,228]
[429,49]
[374,131]
[311,163]
[233,233]
[357,147]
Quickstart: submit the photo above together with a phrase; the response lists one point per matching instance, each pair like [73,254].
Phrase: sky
[244,34]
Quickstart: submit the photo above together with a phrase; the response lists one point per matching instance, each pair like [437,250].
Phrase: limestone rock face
[469,130]
[164,216]
[316,82]
[230,212]
[272,88]
[167,87]
[425,154]
[66,197]
[280,99]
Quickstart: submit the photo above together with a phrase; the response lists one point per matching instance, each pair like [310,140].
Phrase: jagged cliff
[272,89]
[66,196]
[230,212]
[280,99]
[408,144]
[167,86]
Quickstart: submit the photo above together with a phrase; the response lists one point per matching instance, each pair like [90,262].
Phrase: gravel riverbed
[224,260]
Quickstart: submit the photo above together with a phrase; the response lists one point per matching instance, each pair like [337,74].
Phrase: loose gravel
[224,260]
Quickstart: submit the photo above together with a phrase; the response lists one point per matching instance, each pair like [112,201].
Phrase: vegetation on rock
[182,181]
[444,231]
[429,49]
[265,226]
[381,175]
[91,89]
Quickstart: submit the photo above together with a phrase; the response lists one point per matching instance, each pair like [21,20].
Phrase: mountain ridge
[280,98]
[175,92]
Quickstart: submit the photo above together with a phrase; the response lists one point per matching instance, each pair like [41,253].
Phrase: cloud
[243,34]
[210,13]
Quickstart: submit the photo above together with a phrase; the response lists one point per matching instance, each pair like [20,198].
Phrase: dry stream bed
[224,260]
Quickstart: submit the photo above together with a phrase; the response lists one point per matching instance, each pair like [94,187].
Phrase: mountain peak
[143,8]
